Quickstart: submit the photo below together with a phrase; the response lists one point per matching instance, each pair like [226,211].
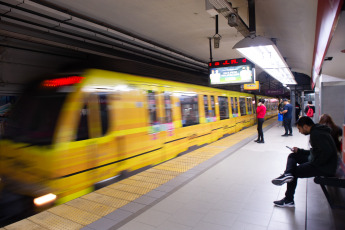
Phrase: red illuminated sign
[229,62]
[62,81]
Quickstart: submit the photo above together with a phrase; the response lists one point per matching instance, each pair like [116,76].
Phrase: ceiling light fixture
[264,53]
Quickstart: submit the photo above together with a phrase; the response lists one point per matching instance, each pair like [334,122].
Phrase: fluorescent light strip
[265,54]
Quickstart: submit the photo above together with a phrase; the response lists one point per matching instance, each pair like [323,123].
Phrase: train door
[93,124]
[156,130]
[80,159]
[167,123]
[102,148]
[213,117]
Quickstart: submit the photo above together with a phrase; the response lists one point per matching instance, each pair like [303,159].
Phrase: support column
[302,103]
[317,107]
[293,103]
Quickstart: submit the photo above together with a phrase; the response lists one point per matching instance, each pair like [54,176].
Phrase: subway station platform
[223,185]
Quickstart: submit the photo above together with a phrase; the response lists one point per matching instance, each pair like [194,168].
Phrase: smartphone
[289,148]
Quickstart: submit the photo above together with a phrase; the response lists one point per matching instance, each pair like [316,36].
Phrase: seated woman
[336,131]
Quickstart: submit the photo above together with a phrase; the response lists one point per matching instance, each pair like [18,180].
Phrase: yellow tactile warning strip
[125,195]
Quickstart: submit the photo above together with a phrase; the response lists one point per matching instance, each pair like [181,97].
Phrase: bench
[338,182]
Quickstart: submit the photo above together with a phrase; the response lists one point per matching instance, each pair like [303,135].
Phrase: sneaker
[256,140]
[284,178]
[261,141]
[284,203]
[290,134]
[285,135]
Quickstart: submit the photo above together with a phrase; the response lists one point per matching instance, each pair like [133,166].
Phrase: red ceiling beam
[328,12]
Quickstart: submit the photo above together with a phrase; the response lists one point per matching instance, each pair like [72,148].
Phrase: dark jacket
[323,152]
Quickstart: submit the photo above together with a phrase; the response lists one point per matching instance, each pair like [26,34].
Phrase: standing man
[320,160]
[260,113]
[287,111]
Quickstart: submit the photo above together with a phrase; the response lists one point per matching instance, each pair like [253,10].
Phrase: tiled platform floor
[232,190]
[237,193]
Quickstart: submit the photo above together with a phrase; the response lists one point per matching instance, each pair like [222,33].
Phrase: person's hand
[294,149]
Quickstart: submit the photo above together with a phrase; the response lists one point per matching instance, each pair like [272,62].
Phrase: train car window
[34,117]
[267,105]
[249,104]
[207,114]
[189,110]
[103,105]
[254,105]
[213,114]
[242,106]
[168,107]
[223,108]
[234,107]
[83,127]
[152,106]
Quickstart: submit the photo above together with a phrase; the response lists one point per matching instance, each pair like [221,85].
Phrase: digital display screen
[57,82]
[232,71]
[238,74]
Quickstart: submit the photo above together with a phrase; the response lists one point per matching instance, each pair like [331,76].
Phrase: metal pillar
[317,107]
[302,103]
[251,12]
[293,103]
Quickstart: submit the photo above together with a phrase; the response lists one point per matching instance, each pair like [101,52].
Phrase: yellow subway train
[72,131]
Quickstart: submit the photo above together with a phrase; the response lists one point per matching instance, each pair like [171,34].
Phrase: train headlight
[46,199]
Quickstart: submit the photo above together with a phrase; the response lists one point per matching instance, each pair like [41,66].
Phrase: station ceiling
[173,32]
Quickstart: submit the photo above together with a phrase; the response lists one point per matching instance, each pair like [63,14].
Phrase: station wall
[332,97]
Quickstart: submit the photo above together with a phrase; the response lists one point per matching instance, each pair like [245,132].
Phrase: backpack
[310,112]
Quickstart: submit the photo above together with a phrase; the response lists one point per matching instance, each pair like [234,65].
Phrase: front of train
[26,150]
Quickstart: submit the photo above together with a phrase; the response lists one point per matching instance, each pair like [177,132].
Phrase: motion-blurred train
[70,132]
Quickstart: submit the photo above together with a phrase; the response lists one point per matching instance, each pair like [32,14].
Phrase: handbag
[280,117]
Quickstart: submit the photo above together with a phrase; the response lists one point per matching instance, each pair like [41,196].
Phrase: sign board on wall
[253,86]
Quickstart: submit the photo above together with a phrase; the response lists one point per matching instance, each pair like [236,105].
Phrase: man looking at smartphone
[320,160]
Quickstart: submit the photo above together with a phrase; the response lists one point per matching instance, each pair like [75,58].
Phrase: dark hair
[305,121]
[326,119]
[310,102]
[262,100]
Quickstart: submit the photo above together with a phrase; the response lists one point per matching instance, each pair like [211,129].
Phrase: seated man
[320,160]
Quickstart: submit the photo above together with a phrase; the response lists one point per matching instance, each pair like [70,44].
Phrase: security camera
[232,20]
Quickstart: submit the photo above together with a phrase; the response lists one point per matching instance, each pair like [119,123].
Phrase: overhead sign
[232,71]
[275,92]
[253,86]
